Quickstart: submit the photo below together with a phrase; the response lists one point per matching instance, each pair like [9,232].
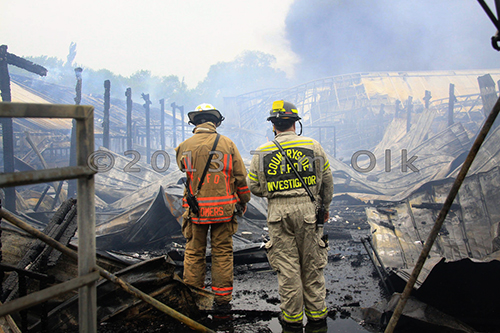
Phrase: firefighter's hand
[327,216]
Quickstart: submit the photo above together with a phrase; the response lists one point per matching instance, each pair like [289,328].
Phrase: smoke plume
[334,37]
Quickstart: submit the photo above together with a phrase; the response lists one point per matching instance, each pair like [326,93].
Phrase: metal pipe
[442,215]
[107,275]
[382,277]
[490,14]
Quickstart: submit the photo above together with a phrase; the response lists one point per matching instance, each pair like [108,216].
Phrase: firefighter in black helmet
[296,250]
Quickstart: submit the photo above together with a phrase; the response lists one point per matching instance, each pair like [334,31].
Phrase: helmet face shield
[283,110]
[202,110]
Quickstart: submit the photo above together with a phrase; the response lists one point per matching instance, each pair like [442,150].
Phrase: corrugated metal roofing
[22,94]
[401,85]
[469,231]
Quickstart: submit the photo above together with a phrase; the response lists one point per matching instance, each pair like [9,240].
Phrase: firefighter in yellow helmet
[223,189]
[296,250]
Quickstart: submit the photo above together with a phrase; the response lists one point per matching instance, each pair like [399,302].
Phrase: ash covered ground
[351,281]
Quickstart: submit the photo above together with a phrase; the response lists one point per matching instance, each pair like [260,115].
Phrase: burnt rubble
[379,219]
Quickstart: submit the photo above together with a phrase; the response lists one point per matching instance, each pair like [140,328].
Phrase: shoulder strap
[210,154]
[295,170]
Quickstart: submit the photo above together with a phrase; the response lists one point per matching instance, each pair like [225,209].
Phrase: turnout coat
[225,182]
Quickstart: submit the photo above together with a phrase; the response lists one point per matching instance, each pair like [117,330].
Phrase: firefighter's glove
[240,209]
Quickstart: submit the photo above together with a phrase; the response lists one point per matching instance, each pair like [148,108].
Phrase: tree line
[250,71]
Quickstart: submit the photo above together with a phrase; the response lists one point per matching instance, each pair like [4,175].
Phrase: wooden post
[397,109]
[181,108]
[334,142]
[409,109]
[162,124]
[488,94]
[146,104]
[72,150]
[427,98]
[7,126]
[174,134]
[87,296]
[380,126]
[128,93]
[105,121]
[451,104]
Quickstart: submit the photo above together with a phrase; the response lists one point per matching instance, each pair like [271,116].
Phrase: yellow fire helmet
[283,110]
[205,112]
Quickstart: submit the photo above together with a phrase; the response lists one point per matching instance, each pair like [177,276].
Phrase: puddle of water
[339,325]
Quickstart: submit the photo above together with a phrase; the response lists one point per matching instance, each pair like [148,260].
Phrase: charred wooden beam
[7,129]
[488,92]
[451,104]
[6,59]
[105,121]
[174,124]
[147,103]
[181,109]
[380,125]
[2,275]
[4,75]
[8,160]
[37,247]
[128,94]
[409,110]
[40,200]
[104,273]
[397,108]
[72,150]
[28,273]
[427,98]
[78,87]
[12,59]
[45,166]
[162,123]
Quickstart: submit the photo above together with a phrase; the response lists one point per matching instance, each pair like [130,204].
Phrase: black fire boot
[289,327]
[316,326]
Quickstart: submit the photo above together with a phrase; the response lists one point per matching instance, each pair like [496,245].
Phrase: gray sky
[167,37]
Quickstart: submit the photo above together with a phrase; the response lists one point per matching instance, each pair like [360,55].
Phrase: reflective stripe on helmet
[279,106]
[283,110]
[205,107]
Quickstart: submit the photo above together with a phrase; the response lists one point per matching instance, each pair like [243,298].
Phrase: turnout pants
[222,258]
[297,253]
